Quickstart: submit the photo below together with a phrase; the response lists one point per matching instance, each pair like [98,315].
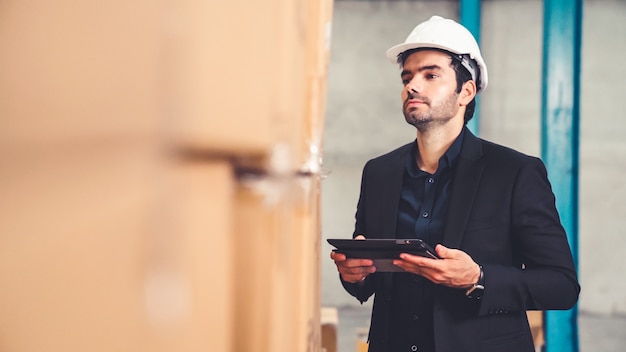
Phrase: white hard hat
[446,34]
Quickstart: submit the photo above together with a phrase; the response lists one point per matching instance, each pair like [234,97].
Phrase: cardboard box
[227,78]
[329,320]
[73,227]
[121,221]
[535,319]
[318,52]
[79,72]
[277,265]
[190,271]
[234,74]
[110,250]
[243,78]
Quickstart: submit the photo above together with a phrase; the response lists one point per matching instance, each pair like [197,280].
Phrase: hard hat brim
[393,52]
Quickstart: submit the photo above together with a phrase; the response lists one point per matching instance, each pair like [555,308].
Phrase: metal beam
[469,13]
[560,141]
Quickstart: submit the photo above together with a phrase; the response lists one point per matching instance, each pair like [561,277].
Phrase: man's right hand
[353,270]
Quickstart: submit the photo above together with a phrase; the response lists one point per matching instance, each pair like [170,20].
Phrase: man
[488,210]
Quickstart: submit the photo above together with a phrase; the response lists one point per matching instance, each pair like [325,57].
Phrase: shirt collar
[445,162]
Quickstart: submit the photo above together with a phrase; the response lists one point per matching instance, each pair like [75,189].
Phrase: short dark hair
[462,75]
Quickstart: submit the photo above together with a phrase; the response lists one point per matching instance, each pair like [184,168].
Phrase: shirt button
[431,180]
[425,214]
[415,317]
[414,348]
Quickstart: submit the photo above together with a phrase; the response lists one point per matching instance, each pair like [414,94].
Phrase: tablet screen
[382,248]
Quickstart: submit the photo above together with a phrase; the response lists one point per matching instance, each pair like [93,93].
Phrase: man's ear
[468,92]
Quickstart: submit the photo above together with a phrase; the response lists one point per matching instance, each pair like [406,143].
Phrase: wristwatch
[476,291]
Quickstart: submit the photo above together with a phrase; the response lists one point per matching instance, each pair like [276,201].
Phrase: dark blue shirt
[422,212]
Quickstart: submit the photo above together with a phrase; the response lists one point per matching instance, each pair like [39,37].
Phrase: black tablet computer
[382,251]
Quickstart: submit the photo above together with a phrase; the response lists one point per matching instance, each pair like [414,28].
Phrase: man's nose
[414,88]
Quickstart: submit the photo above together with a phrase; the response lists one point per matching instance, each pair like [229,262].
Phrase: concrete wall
[364,118]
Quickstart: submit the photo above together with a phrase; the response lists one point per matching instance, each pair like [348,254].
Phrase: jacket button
[414,348]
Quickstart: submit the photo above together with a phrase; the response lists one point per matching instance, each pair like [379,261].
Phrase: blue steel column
[560,140]
[470,18]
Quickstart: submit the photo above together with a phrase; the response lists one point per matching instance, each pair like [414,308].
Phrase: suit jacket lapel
[391,188]
[464,187]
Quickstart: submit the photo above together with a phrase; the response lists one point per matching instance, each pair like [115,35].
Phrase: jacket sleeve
[360,224]
[362,290]
[546,276]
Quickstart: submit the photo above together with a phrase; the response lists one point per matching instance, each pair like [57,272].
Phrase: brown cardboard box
[361,339]
[329,320]
[277,286]
[307,274]
[318,51]
[234,74]
[109,244]
[191,257]
[79,71]
[278,216]
[108,249]
[241,79]
[70,242]
[229,78]
[535,319]
[116,250]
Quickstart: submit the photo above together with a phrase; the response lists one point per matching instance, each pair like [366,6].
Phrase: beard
[436,114]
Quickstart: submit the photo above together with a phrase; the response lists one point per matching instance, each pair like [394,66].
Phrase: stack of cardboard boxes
[159,174]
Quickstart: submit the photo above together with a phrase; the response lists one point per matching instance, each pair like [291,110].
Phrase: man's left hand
[455,268]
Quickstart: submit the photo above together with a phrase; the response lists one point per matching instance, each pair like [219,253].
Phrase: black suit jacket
[502,213]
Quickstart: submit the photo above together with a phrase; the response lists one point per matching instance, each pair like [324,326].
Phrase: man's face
[428,96]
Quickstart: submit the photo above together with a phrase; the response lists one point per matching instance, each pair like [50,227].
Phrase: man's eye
[406,81]
[431,75]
